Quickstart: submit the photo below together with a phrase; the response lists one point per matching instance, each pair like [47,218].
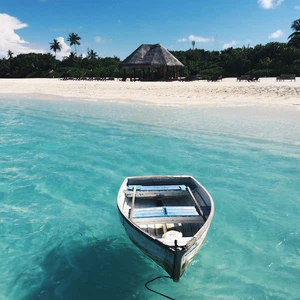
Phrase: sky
[118,27]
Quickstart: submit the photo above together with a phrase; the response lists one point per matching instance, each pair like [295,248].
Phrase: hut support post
[165,72]
[176,72]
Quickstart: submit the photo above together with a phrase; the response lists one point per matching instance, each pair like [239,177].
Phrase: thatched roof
[148,55]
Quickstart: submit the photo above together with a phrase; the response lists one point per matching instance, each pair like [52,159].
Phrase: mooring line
[161,294]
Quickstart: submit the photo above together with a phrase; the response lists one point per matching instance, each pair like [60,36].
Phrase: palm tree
[55,46]
[10,54]
[10,57]
[72,56]
[193,44]
[294,38]
[296,27]
[91,54]
[74,40]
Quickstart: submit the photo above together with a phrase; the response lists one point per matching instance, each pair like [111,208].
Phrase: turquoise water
[62,164]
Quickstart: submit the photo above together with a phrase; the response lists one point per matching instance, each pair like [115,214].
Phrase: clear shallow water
[61,167]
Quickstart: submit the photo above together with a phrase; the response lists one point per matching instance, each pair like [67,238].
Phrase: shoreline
[227,93]
[230,107]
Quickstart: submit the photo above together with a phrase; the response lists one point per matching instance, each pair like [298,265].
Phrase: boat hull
[173,259]
[162,254]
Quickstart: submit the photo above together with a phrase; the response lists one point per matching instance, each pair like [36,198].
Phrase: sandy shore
[229,92]
[265,110]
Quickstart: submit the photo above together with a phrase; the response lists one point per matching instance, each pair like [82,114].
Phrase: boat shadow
[101,269]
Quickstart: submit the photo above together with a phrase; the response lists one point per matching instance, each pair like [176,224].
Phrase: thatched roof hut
[152,57]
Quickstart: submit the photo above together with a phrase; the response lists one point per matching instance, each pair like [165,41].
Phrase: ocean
[62,163]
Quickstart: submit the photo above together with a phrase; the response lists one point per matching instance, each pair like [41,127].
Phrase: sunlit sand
[228,92]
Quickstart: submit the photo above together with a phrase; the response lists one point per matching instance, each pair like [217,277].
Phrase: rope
[146,285]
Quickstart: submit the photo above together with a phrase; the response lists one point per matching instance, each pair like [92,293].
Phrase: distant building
[153,62]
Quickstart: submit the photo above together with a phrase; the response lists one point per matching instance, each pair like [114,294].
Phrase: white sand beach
[226,93]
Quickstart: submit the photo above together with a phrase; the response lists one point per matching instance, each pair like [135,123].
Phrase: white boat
[167,217]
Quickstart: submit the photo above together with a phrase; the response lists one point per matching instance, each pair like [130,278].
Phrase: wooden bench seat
[169,214]
[168,220]
[152,191]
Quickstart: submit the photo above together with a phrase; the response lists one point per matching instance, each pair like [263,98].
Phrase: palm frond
[296,25]
[294,34]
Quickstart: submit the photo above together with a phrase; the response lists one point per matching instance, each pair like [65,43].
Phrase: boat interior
[167,212]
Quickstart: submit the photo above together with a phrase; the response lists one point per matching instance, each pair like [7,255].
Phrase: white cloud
[199,39]
[9,40]
[269,4]
[100,40]
[65,49]
[182,40]
[195,38]
[275,35]
[229,45]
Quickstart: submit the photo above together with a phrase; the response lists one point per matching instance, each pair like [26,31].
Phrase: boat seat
[168,214]
[156,191]
[169,211]
[156,187]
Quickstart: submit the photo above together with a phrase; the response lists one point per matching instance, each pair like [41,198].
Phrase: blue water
[62,163]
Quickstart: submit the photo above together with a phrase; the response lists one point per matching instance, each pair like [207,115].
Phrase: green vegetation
[267,60]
